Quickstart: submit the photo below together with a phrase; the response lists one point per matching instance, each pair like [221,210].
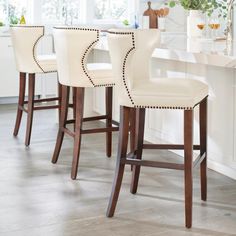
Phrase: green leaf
[172,4]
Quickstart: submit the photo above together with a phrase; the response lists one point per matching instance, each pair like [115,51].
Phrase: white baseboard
[222,169]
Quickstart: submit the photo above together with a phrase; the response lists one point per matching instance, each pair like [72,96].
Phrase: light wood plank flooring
[39,198]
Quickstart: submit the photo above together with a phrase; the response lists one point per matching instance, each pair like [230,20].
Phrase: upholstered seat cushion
[101,74]
[47,62]
[169,93]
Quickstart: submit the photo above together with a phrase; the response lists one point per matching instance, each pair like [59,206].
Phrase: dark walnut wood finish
[30,104]
[152,16]
[134,158]
[78,100]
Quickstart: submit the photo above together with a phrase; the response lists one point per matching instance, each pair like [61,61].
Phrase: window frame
[132,9]
[86,13]
[28,11]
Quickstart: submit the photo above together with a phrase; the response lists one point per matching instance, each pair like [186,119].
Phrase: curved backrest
[131,52]
[73,46]
[24,40]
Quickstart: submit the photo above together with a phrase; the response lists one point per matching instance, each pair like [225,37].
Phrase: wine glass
[201,24]
[214,25]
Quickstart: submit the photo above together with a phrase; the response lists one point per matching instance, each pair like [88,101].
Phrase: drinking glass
[201,24]
[214,25]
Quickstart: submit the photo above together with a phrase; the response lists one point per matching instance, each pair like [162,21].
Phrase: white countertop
[201,51]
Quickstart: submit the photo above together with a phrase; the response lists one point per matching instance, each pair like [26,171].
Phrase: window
[66,11]
[60,11]
[3,10]
[11,10]
[111,9]
[80,11]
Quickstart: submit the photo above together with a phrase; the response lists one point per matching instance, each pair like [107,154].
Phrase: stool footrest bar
[95,118]
[199,159]
[168,146]
[152,164]
[99,130]
[115,123]
[46,107]
[44,100]
[67,131]
[23,108]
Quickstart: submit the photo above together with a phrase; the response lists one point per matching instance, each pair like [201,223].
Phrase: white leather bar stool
[73,46]
[130,54]
[25,40]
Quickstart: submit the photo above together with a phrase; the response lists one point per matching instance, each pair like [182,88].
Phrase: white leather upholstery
[25,39]
[73,46]
[101,73]
[131,52]
[47,62]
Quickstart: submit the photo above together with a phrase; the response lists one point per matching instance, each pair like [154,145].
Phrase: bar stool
[130,54]
[25,40]
[73,46]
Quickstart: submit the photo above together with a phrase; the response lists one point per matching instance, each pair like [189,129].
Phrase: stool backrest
[73,46]
[131,52]
[24,40]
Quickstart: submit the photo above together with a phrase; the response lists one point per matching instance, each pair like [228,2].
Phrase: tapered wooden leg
[140,122]
[122,152]
[21,100]
[109,120]
[31,93]
[74,101]
[59,86]
[74,104]
[78,127]
[132,123]
[62,124]
[203,148]
[188,165]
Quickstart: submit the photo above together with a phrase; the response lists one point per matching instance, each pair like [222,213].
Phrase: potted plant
[195,8]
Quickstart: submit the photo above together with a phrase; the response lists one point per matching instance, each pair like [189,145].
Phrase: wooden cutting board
[152,17]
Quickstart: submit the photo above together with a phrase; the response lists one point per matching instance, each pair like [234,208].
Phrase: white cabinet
[8,73]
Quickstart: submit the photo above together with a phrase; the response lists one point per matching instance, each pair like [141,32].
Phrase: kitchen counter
[201,51]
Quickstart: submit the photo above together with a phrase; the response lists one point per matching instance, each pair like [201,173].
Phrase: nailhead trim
[86,53]
[124,81]
[26,26]
[76,28]
[164,107]
[125,61]
[34,46]
[104,85]
[85,56]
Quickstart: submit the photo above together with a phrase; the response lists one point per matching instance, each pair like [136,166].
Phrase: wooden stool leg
[203,148]
[30,109]
[122,152]
[78,127]
[132,129]
[20,103]
[188,165]
[62,124]
[109,121]
[59,86]
[140,123]
[74,101]
[132,123]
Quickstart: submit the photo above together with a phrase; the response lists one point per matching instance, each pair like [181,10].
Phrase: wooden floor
[39,198]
